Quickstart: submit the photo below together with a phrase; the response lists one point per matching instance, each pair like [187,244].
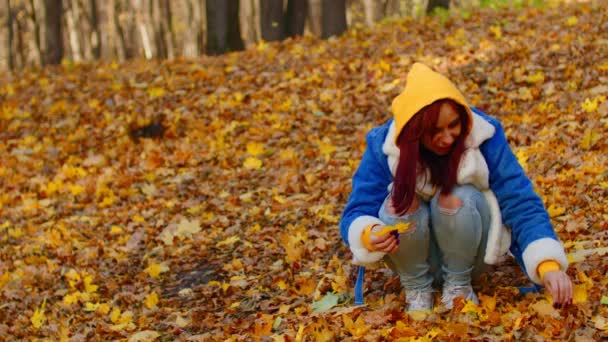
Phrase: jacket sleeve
[534,239]
[369,189]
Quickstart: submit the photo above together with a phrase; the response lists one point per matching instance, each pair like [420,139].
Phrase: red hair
[414,158]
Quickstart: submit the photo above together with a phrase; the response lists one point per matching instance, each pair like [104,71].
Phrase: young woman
[447,169]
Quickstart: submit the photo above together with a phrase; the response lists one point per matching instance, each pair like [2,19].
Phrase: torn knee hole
[449,201]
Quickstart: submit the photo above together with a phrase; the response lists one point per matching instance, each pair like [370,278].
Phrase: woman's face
[448,128]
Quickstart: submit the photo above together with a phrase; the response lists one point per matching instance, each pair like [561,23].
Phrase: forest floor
[224,225]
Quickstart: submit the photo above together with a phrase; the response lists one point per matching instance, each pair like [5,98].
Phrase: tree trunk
[37,39]
[235,41]
[249,22]
[116,39]
[374,11]
[143,31]
[314,17]
[437,3]
[53,11]
[157,28]
[223,32]
[95,34]
[295,17]
[392,7]
[168,28]
[74,28]
[333,14]
[272,22]
[10,58]
[20,59]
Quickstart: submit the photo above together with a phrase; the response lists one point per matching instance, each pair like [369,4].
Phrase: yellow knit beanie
[423,87]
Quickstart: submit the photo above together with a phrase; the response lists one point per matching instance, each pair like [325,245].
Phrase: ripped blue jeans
[447,245]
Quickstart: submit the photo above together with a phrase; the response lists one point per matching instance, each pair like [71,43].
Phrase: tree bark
[20,59]
[272,21]
[143,31]
[374,11]
[314,17]
[333,14]
[295,17]
[53,11]
[116,38]
[37,39]
[168,28]
[223,32]
[73,24]
[10,57]
[95,34]
[249,22]
[437,3]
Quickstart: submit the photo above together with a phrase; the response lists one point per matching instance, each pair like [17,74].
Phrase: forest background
[197,197]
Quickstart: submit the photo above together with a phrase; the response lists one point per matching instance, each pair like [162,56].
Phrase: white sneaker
[451,292]
[418,300]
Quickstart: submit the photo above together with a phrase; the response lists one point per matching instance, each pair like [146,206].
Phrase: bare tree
[95,34]
[272,21]
[333,17]
[432,4]
[74,28]
[223,32]
[53,11]
[295,18]
[37,39]
[167,23]
[314,17]
[10,57]
[143,30]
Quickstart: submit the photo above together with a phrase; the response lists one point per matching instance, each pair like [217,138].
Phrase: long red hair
[414,158]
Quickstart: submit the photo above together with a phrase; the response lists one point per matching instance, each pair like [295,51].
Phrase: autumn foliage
[223,224]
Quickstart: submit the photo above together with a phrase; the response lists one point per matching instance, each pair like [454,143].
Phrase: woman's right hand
[387,243]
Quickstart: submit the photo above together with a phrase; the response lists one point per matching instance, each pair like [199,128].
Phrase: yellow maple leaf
[255,148]
[154,270]
[88,284]
[115,230]
[497,31]
[538,77]
[580,294]
[151,300]
[90,307]
[357,328]
[103,309]
[589,105]
[70,299]
[589,139]
[326,148]
[156,92]
[252,163]
[571,21]
[554,210]
[115,315]
[400,227]
[39,318]
[229,241]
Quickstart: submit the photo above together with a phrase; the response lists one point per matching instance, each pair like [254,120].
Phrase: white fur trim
[542,250]
[390,149]
[499,237]
[361,255]
[480,132]
[473,169]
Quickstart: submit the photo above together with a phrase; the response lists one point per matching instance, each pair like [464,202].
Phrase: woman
[447,169]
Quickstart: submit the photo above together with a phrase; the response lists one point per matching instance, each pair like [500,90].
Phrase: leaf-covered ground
[226,228]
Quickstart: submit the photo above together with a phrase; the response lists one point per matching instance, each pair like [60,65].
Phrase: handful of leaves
[399,228]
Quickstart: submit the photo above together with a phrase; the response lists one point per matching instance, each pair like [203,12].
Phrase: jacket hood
[423,87]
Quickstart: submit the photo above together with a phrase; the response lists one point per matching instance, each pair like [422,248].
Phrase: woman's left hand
[560,286]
